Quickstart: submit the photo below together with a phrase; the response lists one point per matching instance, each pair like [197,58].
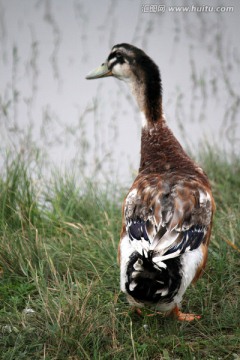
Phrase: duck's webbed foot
[184,317]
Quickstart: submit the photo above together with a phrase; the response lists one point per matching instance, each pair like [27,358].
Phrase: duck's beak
[101,71]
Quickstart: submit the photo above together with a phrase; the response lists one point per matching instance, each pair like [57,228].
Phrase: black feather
[192,238]
[150,281]
[137,230]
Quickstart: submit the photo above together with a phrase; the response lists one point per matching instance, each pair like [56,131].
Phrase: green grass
[58,246]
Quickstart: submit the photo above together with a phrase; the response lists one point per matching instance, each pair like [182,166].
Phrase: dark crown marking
[147,76]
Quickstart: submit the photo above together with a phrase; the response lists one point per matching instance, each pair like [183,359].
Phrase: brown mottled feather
[166,172]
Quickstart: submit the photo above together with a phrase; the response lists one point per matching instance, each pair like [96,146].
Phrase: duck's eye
[118,55]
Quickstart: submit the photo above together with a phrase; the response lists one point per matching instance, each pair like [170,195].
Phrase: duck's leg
[182,316]
[142,314]
[137,310]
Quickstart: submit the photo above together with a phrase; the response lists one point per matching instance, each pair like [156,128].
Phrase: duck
[167,214]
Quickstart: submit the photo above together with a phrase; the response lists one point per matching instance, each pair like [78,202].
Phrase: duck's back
[167,224]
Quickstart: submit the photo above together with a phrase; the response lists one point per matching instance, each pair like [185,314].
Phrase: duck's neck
[160,150]
[148,93]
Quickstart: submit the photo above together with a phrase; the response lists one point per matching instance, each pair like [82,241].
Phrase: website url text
[156,8]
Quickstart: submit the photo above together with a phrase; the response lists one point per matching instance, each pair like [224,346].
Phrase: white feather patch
[126,250]
[190,262]
[204,197]
[144,119]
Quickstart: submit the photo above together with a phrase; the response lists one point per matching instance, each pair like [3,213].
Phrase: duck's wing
[165,219]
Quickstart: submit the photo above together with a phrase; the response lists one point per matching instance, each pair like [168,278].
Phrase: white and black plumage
[167,214]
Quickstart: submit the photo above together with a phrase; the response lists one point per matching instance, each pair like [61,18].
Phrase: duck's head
[126,62]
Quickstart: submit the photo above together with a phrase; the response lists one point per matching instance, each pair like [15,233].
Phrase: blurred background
[49,112]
